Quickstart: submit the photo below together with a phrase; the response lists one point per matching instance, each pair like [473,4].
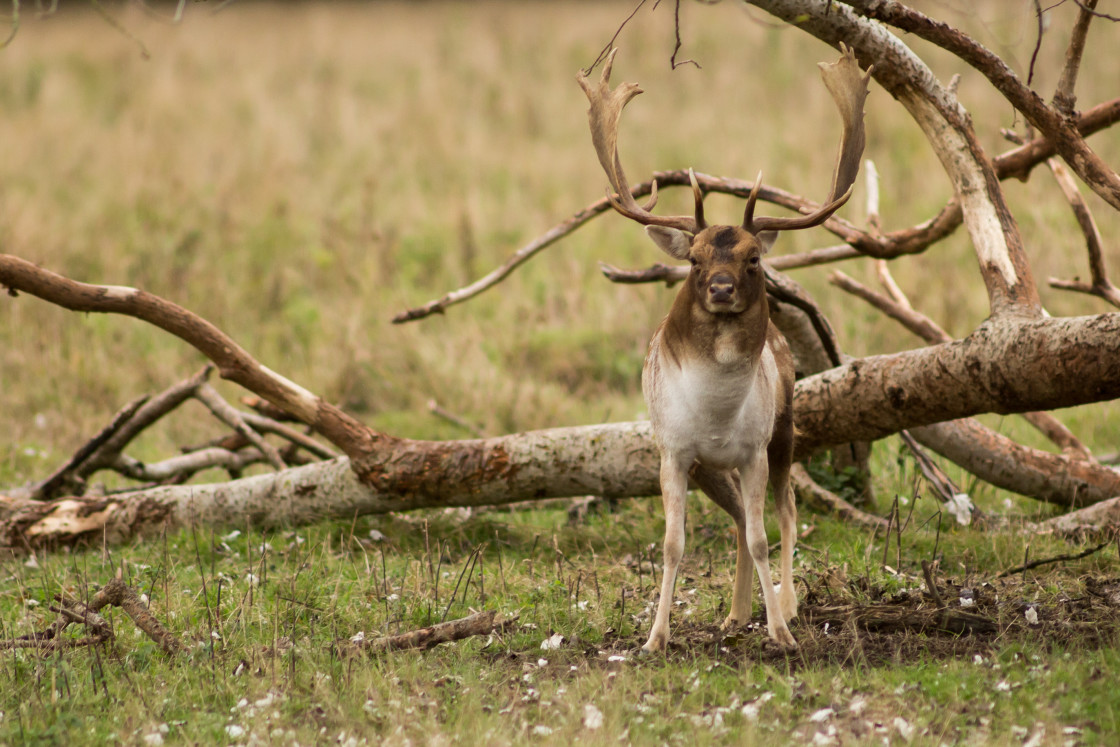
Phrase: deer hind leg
[719,485]
[779,456]
[753,476]
[674,493]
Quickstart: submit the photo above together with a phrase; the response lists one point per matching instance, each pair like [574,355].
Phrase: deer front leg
[674,493]
[787,520]
[723,489]
[753,476]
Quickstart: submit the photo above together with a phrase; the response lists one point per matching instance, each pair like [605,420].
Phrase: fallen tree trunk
[1019,366]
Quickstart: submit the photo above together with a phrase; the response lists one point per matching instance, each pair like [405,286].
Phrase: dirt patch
[907,626]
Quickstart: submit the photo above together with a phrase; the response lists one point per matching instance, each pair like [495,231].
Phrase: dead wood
[1016,361]
[49,487]
[825,501]
[229,415]
[1063,558]
[1102,517]
[1099,284]
[70,610]
[480,623]
[1049,120]
[897,619]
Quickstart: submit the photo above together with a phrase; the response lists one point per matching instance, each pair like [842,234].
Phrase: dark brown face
[726,269]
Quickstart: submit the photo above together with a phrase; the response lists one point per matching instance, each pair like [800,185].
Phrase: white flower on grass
[822,715]
[542,662]
[375,535]
[540,730]
[857,706]
[960,505]
[904,727]
[358,637]
[155,739]
[750,710]
[232,535]
[592,717]
[234,731]
[1003,686]
[825,739]
[1032,616]
[552,643]
[616,657]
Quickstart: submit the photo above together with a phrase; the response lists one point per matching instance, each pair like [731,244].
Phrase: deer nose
[721,289]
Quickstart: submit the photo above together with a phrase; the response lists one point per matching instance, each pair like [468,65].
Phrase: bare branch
[925,328]
[229,415]
[480,623]
[180,468]
[1050,122]
[154,409]
[825,501]
[233,362]
[48,487]
[915,322]
[1065,96]
[1100,286]
[266,424]
[514,261]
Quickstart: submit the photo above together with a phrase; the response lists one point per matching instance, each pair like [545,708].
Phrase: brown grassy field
[298,173]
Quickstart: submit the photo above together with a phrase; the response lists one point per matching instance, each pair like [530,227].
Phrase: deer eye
[692,261]
[753,261]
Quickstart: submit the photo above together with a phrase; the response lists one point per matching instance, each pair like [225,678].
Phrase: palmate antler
[848,86]
[844,80]
[606,109]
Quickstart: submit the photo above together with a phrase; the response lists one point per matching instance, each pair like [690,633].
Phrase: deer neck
[730,341]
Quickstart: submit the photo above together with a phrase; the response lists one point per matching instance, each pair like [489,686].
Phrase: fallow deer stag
[718,378]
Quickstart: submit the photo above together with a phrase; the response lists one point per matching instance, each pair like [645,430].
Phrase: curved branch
[994,232]
[233,362]
[1017,163]
[1050,122]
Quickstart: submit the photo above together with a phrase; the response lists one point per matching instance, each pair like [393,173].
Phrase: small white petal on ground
[960,506]
[592,717]
[905,728]
[552,643]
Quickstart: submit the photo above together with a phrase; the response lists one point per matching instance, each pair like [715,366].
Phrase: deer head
[685,237]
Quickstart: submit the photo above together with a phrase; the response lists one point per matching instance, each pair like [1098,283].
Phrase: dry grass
[298,176]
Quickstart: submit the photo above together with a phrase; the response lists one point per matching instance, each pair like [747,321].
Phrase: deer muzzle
[721,289]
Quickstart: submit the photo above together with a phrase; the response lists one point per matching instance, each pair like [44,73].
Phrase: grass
[298,176]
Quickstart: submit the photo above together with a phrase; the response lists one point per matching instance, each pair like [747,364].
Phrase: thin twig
[931,584]
[1065,97]
[1100,285]
[1026,566]
[229,415]
[48,487]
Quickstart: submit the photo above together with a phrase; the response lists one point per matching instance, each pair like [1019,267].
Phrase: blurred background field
[298,173]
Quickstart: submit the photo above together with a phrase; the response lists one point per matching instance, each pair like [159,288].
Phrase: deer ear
[767,239]
[673,241]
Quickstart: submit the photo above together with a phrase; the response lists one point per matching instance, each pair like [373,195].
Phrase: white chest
[720,412]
